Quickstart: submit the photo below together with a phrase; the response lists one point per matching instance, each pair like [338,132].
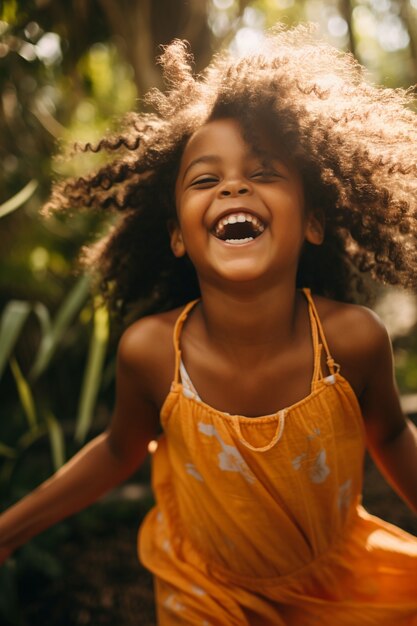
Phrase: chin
[243,276]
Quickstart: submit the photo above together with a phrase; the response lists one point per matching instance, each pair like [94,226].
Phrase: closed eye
[266,174]
[204,181]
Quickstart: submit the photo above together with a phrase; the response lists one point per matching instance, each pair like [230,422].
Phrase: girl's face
[239,218]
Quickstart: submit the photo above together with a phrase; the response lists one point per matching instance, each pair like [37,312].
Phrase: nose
[234,188]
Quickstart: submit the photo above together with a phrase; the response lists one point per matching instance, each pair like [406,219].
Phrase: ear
[175,235]
[315,227]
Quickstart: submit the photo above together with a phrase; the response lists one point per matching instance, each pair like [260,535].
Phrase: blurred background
[68,71]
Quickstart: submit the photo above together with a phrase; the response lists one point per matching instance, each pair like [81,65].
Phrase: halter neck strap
[319,342]
[177,334]
[317,335]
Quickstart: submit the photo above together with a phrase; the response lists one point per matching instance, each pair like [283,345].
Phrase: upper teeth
[233,218]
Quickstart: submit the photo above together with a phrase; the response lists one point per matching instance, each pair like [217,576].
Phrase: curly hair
[355,145]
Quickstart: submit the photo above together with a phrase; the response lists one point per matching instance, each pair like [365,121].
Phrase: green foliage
[92,374]
[57,440]
[53,333]
[406,364]
[25,396]
[40,421]
[13,318]
[20,198]
[9,604]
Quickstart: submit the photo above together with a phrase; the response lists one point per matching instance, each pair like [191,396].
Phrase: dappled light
[69,72]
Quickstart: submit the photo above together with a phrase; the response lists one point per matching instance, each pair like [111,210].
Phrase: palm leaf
[7,451]
[18,199]
[14,316]
[56,331]
[25,394]
[92,374]
[57,441]
[13,319]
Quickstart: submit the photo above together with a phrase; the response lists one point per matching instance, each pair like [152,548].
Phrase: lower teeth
[245,240]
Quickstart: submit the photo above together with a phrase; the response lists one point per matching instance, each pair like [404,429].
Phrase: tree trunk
[142,27]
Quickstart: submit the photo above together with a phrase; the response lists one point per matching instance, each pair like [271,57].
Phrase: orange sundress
[259,522]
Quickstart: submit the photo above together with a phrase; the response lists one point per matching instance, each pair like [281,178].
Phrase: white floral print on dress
[318,470]
[172,603]
[345,496]
[193,471]
[230,459]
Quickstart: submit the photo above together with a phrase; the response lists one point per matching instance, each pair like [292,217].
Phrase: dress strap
[319,342]
[177,335]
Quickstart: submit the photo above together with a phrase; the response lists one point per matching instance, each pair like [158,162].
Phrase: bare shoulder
[351,326]
[147,335]
[356,336]
[146,350]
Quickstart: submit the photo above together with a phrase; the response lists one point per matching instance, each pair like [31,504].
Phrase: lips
[238,226]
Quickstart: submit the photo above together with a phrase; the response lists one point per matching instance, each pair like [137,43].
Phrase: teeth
[238,217]
[245,240]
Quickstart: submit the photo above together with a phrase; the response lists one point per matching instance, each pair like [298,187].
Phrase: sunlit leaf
[56,331]
[24,442]
[25,394]
[7,451]
[57,441]
[14,316]
[92,374]
[31,436]
[43,316]
[20,198]
[9,11]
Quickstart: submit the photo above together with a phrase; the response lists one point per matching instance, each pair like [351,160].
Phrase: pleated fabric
[258,521]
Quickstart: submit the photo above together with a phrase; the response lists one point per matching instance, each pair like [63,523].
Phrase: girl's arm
[392,438]
[102,464]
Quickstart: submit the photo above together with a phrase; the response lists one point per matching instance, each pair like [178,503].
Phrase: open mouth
[238,228]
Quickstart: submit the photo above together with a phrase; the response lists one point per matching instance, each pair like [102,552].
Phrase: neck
[239,321]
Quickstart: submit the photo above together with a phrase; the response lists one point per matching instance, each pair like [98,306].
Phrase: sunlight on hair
[253,18]
[152,446]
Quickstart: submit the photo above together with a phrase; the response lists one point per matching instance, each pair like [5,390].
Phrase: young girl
[268,179]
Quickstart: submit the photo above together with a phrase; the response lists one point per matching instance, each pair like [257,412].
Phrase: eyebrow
[207,158]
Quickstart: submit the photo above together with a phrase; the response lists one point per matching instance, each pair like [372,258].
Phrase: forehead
[217,134]
[226,138]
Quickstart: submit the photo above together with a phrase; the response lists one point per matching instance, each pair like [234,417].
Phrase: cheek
[192,207]
[289,209]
